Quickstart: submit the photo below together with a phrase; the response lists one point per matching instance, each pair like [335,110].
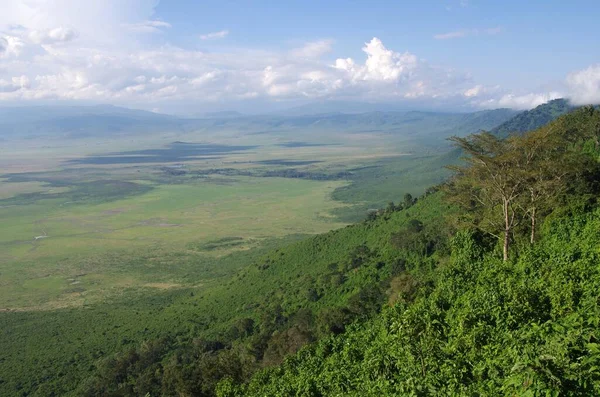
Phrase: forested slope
[535,118]
[186,340]
[472,322]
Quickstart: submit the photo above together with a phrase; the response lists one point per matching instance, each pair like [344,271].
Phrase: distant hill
[81,121]
[223,114]
[534,118]
[345,107]
[88,121]
[414,123]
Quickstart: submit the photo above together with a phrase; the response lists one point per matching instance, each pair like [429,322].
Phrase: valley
[84,219]
[229,251]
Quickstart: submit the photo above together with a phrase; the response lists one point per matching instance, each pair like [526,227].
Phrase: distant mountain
[223,114]
[345,107]
[86,121]
[80,121]
[399,123]
[484,120]
[534,118]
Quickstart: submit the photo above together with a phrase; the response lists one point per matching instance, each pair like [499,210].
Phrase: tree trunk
[505,247]
[506,230]
[532,240]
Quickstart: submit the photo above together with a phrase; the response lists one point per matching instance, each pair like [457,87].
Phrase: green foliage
[526,327]
[475,324]
[505,180]
[259,306]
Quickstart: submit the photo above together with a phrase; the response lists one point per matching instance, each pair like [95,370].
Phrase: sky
[187,57]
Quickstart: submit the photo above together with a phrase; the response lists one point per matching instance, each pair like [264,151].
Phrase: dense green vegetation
[415,300]
[467,321]
[286,298]
[478,326]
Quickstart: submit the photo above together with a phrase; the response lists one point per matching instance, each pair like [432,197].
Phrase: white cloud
[56,49]
[313,49]
[51,36]
[482,91]
[221,34]
[381,64]
[519,102]
[468,32]
[452,35]
[150,26]
[15,84]
[584,86]
[581,88]
[10,46]
[474,91]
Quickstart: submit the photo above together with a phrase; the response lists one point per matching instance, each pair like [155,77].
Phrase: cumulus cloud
[584,86]
[123,70]
[581,88]
[15,84]
[381,64]
[56,49]
[10,46]
[52,36]
[221,34]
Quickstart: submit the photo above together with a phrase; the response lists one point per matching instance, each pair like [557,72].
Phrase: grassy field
[56,252]
[86,219]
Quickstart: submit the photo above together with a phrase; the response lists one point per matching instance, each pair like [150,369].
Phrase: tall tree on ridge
[490,183]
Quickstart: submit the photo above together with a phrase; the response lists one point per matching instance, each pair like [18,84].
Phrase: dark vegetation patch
[94,191]
[175,152]
[312,175]
[282,173]
[222,243]
[304,144]
[288,162]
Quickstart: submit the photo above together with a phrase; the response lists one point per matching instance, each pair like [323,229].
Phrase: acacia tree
[553,160]
[491,184]
[546,166]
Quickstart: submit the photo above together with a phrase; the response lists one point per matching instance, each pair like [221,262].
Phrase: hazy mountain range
[103,120]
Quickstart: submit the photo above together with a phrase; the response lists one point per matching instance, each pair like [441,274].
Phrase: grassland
[86,219]
[51,245]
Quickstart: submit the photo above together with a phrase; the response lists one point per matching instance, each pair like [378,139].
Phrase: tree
[408,200]
[546,166]
[490,184]
[391,207]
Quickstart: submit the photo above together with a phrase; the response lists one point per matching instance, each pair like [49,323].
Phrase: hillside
[81,121]
[535,118]
[468,322]
[264,305]
[483,328]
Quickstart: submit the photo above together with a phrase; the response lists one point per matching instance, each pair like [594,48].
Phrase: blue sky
[180,55]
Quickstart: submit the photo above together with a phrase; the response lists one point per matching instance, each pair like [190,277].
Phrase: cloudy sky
[184,56]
